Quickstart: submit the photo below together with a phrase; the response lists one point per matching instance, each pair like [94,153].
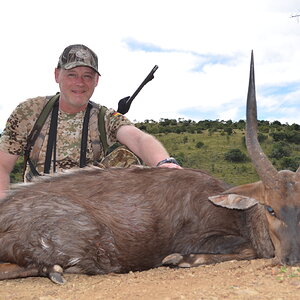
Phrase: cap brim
[73,65]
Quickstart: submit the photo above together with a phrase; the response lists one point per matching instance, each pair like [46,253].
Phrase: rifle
[124,103]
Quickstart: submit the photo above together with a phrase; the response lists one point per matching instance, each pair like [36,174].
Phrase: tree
[228,130]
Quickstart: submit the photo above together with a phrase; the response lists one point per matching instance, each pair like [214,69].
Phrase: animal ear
[233,201]
[241,197]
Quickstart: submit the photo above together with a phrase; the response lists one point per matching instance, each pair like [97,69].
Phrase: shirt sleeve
[18,126]
[113,121]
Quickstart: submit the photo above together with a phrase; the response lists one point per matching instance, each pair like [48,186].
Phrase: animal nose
[291,260]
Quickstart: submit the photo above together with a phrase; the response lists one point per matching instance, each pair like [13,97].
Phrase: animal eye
[270,210]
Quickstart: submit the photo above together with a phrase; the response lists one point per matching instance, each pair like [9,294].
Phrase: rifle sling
[102,130]
[35,133]
[84,136]
[51,145]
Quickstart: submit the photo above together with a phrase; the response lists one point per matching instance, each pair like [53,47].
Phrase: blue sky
[202,49]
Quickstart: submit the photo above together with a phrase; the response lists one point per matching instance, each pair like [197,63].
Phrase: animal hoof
[173,259]
[57,278]
[56,274]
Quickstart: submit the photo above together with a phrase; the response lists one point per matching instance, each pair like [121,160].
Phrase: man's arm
[144,145]
[7,163]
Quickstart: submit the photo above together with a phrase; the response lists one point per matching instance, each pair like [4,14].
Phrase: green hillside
[209,154]
[219,147]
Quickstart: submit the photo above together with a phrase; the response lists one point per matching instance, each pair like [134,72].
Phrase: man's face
[76,87]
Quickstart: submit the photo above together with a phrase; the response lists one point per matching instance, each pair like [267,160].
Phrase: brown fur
[97,221]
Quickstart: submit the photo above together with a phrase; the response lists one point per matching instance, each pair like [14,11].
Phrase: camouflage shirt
[68,141]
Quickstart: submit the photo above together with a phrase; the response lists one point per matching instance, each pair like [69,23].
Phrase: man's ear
[97,80]
[56,74]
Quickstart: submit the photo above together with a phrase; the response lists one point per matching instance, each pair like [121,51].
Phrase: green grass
[210,157]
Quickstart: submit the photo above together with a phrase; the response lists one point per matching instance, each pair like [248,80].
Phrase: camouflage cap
[78,56]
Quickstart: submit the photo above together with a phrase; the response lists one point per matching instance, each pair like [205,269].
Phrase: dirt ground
[256,279]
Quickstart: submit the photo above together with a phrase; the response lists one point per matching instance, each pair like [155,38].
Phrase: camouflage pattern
[76,56]
[69,128]
[121,157]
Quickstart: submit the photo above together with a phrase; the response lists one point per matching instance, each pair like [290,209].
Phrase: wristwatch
[169,160]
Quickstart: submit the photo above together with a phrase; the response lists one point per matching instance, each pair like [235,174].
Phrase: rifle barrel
[149,77]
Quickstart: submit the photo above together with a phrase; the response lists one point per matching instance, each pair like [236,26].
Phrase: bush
[199,145]
[228,130]
[235,155]
[262,137]
[185,139]
[280,150]
[293,137]
[181,158]
[289,163]
[17,173]
[278,136]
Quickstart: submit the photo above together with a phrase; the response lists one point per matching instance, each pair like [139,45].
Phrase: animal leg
[13,271]
[194,260]
[55,274]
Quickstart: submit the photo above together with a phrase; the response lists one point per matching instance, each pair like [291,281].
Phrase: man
[77,76]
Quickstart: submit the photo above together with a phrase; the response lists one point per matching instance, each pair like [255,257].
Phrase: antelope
[94,221]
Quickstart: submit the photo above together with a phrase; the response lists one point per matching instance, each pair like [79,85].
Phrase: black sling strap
[35,133]
[84,136]
[51,145]
[101,126]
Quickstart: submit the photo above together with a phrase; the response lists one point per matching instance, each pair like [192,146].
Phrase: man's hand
[170,165]
[169,162]
[7,163]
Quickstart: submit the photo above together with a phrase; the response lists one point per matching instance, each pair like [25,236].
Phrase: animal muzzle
[291,256]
